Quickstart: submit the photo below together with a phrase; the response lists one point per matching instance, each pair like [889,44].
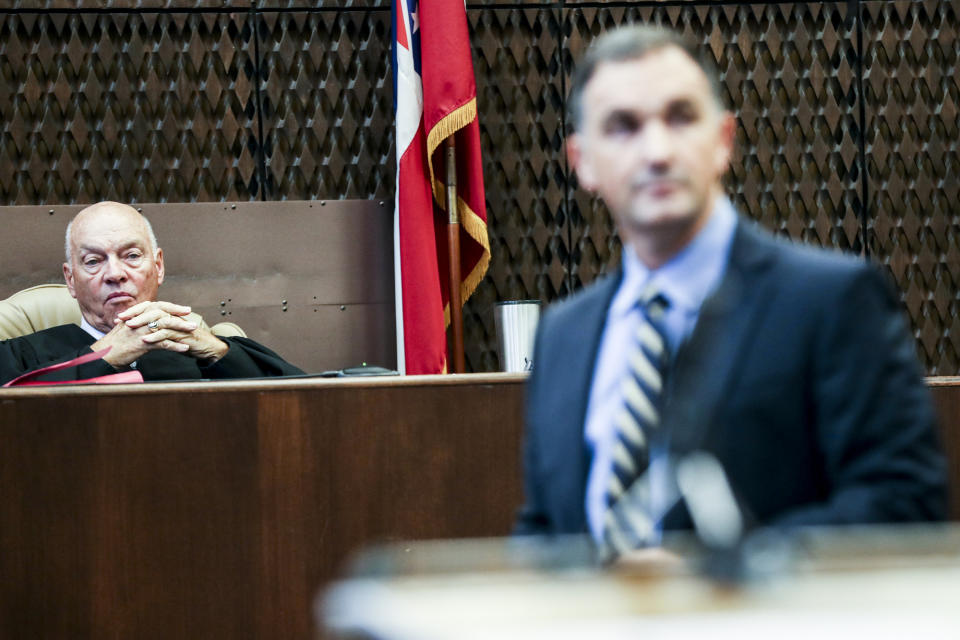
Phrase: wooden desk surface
[877,583]
[219,509]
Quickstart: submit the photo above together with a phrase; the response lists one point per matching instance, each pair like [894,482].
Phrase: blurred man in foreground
[791,367]
[114,269]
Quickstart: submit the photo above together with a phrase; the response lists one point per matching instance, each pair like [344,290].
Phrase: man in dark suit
[114,269]
[791,367]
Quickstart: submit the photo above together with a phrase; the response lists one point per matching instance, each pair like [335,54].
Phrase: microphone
[717,518]
[732,554]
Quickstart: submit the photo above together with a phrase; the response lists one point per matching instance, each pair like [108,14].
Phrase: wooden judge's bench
[220,510]
[217,510]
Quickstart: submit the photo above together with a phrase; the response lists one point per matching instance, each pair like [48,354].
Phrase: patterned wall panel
[520,102]
[327,99]
[787,71]
[146,5]
[369,4]
[912,98]
[126,106]
[323,4]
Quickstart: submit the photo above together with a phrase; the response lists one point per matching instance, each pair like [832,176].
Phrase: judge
[114,269]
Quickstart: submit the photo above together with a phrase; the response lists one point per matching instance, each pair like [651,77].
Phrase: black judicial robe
[245,359]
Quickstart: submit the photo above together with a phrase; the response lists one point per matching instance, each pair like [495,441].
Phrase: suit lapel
[585,346]
[581,336]
[707,362]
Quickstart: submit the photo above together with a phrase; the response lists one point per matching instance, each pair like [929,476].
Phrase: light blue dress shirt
[89,328]
[686,281]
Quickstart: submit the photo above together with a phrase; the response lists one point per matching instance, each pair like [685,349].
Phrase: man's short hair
[629,43]
[69,253]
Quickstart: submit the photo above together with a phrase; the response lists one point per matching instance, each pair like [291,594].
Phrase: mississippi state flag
[435,97]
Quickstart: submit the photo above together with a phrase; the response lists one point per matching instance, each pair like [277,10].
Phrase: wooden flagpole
[453,246]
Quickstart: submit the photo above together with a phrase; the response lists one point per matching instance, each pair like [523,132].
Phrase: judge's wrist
[112,356]
[214,352]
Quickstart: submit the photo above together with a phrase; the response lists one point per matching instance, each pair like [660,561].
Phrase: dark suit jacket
[245,359]
[800,377]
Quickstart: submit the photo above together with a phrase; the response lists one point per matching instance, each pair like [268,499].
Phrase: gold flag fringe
[473,224]
[448,125]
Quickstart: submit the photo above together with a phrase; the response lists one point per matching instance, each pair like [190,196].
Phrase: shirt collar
[688,277]
[89,328]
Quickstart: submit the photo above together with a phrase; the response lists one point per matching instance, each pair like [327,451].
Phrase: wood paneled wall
[848,124]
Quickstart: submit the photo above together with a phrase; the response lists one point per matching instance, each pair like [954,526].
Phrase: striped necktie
[627,523]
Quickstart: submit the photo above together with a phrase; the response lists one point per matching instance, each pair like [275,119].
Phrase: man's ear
[68,278]
[158,259]
[726,135]
[578,160]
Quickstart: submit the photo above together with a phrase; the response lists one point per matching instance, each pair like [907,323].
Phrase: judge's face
[112,263]
[653,142]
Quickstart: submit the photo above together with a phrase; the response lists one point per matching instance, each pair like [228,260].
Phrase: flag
[435,97]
